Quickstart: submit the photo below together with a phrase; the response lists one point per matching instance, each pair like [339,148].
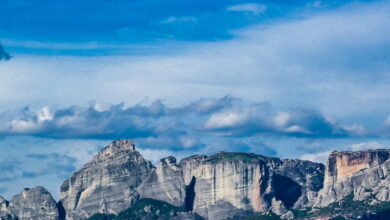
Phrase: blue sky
[294,79]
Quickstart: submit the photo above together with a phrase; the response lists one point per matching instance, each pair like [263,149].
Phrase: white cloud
[174,19]
[226,119]
[253,8]
[333,62]
[323,156]
[317,157]
[365,145]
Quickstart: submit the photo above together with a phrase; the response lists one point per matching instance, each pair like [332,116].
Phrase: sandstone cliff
[107,183]
[363,174]
[233,184]
[221,186]
[165,183]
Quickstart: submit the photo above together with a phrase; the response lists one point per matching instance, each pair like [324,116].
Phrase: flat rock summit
[118,183]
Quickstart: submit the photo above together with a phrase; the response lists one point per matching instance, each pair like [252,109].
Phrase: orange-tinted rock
[342,165]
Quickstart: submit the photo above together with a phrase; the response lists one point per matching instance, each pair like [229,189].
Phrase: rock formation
[165,183]
[4,211]
[222,186]
[36,203]
[107,183]
[363,173]
[233,184]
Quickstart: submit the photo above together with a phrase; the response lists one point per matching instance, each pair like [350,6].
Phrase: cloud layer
[226,116]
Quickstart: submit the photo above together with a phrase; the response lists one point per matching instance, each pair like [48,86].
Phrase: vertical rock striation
[363,173]
[234,184]
[165,183]
[222,186]
[107,183]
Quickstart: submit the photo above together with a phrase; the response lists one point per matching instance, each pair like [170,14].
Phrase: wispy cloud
[55,164]
[253,8]
[174,19]
[323,156]
[8,169]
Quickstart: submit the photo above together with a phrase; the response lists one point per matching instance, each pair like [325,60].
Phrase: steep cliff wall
[165,183]
[354,172]
[225,185]
[220,186]
[107,183]
[233,184]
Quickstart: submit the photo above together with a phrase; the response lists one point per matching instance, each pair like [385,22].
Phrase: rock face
[36,203]
[221,186]
[233,184]
[107,183]
[363,173]
[165,183]
[4,211]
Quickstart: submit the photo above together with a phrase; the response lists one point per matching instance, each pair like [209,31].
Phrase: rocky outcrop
[234,184]
[107,183]
[165,183]
[4,211]
[217,187]
[222,186]
[36,203]
[363,174]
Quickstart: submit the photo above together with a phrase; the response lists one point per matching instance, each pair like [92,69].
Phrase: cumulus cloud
[79,122]
[179,127]
[262,118]
[175,127]
[107,121]
[253,8]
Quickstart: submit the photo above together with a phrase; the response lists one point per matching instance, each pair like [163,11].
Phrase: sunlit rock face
[36,203]
[165,183]
[363,173]
[107,183]
[234,184]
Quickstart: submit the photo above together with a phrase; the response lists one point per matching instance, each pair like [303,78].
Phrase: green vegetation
[151,209]
[345,209]
[269,216]
[146,209]
[226,156]
[102,217]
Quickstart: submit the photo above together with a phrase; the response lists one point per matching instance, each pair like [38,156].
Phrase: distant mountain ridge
[119,183]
